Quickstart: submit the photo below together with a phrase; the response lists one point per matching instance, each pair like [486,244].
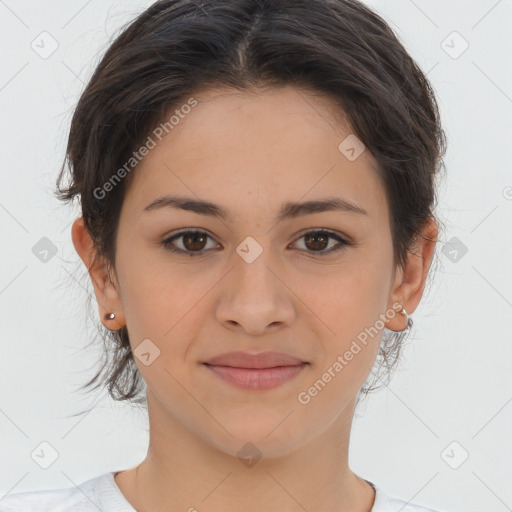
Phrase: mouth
[253,360]
[256,378]
[256,371]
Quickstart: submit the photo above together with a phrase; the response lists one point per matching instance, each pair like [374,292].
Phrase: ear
[105,287]
[410,280]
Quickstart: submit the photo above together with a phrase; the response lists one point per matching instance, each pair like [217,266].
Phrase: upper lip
[254,360]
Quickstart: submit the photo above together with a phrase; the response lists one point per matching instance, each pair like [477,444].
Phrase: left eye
[193,242]
[319,240]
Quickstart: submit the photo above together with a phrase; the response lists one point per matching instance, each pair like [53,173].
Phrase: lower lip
[256,378]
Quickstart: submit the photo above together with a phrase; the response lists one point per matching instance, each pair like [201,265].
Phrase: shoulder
[386,503]
[93,495]
[42,501]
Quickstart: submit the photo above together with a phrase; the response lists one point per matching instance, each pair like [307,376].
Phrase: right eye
[193,242]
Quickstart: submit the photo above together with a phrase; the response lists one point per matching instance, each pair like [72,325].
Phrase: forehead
[281,143]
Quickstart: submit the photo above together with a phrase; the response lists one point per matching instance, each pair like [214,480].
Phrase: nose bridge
[252,274]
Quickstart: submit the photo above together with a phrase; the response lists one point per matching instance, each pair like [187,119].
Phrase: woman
[257,183]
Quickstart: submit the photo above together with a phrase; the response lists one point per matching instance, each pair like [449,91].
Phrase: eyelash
[342,242]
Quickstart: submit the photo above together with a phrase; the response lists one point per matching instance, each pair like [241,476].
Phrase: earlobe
[106,291]
[408,321]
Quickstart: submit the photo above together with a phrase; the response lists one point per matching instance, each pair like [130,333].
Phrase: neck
[184,472]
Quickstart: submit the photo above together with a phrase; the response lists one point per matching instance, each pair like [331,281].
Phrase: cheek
[349,334]
[155,291]
[163,303]
[347,299]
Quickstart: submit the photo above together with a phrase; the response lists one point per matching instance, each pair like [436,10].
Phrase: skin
[250,152]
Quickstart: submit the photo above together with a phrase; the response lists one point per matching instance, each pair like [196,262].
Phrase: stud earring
[110,316]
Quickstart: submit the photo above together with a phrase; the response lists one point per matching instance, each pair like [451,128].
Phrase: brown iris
[320,240]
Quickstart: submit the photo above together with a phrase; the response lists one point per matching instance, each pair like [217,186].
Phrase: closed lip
[254,360]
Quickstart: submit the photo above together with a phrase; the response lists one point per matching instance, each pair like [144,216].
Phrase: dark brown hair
[177,48]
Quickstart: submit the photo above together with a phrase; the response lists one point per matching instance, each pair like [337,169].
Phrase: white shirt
[102,494]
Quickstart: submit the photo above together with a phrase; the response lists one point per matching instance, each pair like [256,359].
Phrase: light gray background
[454,380]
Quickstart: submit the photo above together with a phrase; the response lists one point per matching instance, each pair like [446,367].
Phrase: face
[252,280]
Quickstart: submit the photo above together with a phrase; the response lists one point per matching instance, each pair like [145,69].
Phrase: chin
[252,441]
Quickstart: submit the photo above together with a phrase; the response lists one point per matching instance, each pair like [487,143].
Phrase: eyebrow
[289,210]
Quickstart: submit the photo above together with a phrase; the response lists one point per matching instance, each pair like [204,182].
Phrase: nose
[256,297]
